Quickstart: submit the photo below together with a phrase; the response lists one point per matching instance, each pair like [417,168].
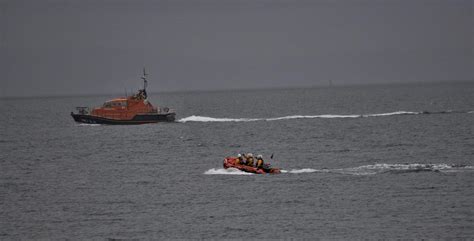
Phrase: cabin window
[113,104]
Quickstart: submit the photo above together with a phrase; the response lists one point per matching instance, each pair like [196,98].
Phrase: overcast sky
[63,47]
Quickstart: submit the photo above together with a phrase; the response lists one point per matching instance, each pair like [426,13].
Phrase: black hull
[138,119]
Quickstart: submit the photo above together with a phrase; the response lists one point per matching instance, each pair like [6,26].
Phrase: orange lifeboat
[135,109]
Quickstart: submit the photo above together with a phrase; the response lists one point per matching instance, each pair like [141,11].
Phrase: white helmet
[259,156]
[249,154]
[239,155]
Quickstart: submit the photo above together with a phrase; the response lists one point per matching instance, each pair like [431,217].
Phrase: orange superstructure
[124,108]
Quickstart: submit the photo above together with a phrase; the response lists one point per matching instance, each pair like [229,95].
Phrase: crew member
[260,161]
[249,157]
[240,160]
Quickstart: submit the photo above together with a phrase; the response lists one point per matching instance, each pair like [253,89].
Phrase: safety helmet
[239,155]
[249,154]
[260,156]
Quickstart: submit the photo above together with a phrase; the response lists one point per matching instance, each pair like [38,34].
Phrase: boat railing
[165,110]
[114,115]
[82,110]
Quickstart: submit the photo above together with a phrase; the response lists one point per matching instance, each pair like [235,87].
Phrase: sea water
[380,161]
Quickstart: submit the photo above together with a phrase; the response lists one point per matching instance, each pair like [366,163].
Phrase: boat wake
[84,124]
[362,170]
[229,171]
[304,170]
[195,118]
[387,168]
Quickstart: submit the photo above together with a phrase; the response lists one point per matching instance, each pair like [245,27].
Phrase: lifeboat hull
[138,119]
[230,162]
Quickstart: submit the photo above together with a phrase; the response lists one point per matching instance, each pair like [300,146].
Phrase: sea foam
[381,168]
[195,118]
[85,124]
[229,171]
[304,170]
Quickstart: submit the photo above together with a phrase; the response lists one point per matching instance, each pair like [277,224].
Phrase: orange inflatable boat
[231,162]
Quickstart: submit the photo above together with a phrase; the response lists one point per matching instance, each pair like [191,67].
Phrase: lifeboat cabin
[135,109]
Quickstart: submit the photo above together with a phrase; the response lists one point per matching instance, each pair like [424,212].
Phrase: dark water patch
[99,214]
[398,145]
[446,112]
[401,168]
[123,239]
[417,170]
[186,139]
[142,182]
[425,188]
[128,162]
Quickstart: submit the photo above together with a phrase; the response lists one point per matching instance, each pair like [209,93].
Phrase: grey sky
[61,47]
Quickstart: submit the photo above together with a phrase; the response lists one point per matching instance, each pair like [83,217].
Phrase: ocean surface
[379,161]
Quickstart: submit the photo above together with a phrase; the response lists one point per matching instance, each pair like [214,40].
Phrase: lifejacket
[240,161]
[250,161]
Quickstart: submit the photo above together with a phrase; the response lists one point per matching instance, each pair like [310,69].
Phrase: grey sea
[375,161]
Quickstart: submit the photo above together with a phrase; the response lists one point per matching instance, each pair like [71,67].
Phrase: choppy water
[358,162]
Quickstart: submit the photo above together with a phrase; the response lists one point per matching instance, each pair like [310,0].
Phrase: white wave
[229,171]
[338,116]
[304,170]
[392,113]
[195,118]
[470,112]
[401,168]
[311,117]
[84,124]
[384,168]
[413,166]
[354,171]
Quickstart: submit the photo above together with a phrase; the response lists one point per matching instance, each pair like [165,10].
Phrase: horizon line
[328,86]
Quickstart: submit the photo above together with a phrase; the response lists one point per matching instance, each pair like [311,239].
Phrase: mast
[145,82]
[142,95]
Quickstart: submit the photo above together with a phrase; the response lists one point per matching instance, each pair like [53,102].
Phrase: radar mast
[145,81]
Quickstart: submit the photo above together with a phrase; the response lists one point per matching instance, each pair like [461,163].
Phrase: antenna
[145,82]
